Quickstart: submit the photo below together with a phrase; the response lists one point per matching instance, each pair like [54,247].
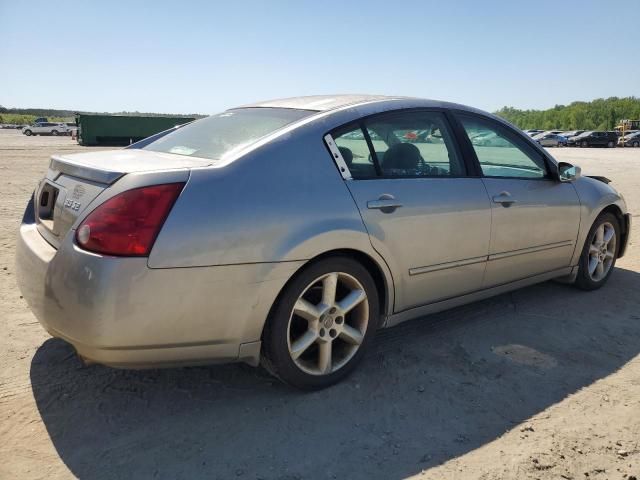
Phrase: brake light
[128,224]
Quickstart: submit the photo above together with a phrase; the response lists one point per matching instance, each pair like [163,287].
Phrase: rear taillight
[128,224]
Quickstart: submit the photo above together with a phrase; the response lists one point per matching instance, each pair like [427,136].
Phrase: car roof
[366,104]
[321,103]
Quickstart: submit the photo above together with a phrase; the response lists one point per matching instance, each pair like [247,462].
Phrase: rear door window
[352,143]
[400,144]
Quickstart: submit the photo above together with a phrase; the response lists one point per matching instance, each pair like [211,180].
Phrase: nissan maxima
[285,233]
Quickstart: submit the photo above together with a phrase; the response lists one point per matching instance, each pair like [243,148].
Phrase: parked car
[489,139]
[627,132]
[631,140]
[551,140]
[533,132]
[46,128]
[273,233]
[594,139]
[72,128]
[571,133]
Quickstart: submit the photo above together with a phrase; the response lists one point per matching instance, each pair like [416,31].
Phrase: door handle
[505,199]
[386,203]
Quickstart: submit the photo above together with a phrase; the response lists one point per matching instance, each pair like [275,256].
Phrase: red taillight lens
[127,224]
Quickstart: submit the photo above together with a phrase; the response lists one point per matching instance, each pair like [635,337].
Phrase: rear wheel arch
[376,271]
[372,266]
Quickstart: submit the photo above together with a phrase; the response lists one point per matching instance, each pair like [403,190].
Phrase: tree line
[26,116]
[599,114]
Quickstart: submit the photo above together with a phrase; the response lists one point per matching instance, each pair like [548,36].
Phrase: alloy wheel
[602,251]
[328,323]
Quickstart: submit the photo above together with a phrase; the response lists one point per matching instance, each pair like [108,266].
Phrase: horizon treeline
[599,114]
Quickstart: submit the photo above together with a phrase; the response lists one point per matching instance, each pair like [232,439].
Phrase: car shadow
[429,391]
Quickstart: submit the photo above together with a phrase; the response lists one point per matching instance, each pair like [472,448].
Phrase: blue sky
[203,57]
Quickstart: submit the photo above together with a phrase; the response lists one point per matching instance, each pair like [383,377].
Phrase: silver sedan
[287,232]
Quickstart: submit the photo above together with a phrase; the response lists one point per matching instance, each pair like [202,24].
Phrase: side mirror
[568,172]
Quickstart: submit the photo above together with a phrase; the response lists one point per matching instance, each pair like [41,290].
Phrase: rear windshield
[218,135]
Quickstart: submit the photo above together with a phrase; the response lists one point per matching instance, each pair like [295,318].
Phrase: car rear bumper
[120,312]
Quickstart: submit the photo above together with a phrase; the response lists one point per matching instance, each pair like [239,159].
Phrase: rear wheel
[54,133]
[599,253]
[322,324]
[610,144]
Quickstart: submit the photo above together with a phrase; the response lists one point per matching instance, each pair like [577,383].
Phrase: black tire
[275,356]
[584,280]
[28,133]
[54,133]
[610,144]
[584,144]
[635,144]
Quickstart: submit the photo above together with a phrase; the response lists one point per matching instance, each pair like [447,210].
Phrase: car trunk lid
[74,181]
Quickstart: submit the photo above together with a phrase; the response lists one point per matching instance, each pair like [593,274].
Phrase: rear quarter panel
[284,201]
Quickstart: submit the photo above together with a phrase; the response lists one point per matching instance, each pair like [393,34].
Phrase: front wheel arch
[622,222]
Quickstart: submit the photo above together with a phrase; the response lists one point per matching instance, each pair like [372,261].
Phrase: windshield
[218,135]
[585,134]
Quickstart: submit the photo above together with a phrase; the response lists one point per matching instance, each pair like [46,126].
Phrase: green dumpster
[98,129]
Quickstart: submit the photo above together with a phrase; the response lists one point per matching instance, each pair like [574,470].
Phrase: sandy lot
[541,383]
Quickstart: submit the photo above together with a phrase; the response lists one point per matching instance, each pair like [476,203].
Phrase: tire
[591,281]
[635,144]
[584,144]
[54,133]
[28,133]
[610,144]
[293,347]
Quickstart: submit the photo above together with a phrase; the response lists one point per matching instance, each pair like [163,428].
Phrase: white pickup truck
[46,128]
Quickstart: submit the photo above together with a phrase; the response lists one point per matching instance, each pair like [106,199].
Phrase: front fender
[594,197]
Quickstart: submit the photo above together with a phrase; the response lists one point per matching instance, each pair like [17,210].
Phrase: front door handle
[385,203]
[505,199]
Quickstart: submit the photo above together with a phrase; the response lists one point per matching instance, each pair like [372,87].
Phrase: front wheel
[584,144]
[321,324]
[599,253]
[27,133]
[635,144]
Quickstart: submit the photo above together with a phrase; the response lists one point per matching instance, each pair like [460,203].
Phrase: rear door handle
[386,203]
[505,199]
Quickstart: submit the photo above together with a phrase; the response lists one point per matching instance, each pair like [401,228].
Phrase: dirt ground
[540,383]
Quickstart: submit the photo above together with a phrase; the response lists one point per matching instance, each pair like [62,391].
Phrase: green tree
[600,114]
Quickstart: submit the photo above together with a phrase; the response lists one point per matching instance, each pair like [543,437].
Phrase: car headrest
[347,155]
[402,156]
